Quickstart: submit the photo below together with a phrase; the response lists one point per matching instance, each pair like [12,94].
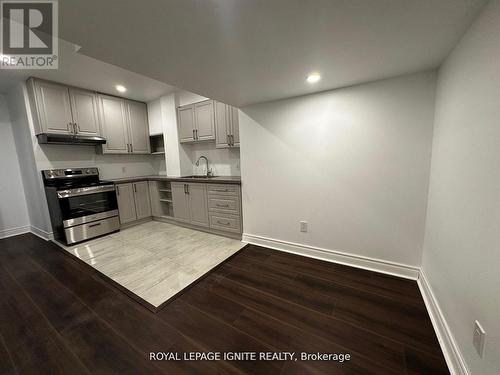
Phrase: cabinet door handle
[196,132]
[221,190]
[68,127]
[222,205]
[117,190]
[135,188]
[185,190]
[78,127]
[194,136]
[131,147]
[227,140]
[187,187]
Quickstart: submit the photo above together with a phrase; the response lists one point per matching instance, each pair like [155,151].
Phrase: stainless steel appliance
[81,206]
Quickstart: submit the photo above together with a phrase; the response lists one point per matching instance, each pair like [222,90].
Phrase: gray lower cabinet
[198,208]
[142,200]
[227,132]
[180,201]
[224,206]
[126,203]
[190,203]
[214,206]
[133,201]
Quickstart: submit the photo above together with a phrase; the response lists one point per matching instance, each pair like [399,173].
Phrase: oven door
[87,204]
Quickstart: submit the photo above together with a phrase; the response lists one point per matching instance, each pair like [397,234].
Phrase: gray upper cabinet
[222,125]
[124,124]
[142,201]
[227,126]
[196,122]
[235,127]
[114,125]
[85,111]
[51,107]
[205,120]
[138,127]
[180,200]
[187,128]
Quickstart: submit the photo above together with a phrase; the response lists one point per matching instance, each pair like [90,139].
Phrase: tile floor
[155,260]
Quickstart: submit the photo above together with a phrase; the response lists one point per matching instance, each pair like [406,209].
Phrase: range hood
[70,139]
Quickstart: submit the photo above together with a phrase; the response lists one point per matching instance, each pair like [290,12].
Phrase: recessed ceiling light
[121,88]
[313,77]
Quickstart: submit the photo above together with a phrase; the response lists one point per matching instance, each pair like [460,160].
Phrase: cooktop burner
[72,178]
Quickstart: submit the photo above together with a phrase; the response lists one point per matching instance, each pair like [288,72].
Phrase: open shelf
[157,144]
[162,194]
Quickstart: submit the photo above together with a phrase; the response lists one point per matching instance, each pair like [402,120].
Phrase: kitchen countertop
[214,180]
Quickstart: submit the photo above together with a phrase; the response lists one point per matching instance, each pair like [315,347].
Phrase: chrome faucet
[209,171]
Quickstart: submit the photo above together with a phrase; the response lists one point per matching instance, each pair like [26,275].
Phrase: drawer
[221,189]
[228,204]
[90,230]
[224,222]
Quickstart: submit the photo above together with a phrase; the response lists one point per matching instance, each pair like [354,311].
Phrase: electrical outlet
[303,226]
[478,339]
[124,170]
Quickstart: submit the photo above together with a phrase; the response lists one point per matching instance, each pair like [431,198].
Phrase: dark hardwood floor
[58,317]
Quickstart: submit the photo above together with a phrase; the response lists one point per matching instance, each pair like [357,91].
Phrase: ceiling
[248,51]
[82,71]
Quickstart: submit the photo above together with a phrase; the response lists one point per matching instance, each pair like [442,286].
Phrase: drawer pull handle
[221,190]
[222,205]
[94,225]
[223,223]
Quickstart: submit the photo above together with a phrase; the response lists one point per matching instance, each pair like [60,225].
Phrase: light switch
[303,226]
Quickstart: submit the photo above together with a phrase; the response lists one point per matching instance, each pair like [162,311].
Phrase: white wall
[32,182]
[14,217]
[178,161]
[353,162]
[461,256]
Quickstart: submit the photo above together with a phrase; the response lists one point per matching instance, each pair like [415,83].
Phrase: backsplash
[110,166]
[223,161]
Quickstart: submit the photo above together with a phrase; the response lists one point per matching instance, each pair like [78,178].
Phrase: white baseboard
[449,346]
[14,231]
[371,264]
[41,233]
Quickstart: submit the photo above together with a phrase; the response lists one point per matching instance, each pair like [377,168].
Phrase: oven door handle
[84,191]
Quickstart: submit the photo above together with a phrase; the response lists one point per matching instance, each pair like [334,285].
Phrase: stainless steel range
[81,206]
